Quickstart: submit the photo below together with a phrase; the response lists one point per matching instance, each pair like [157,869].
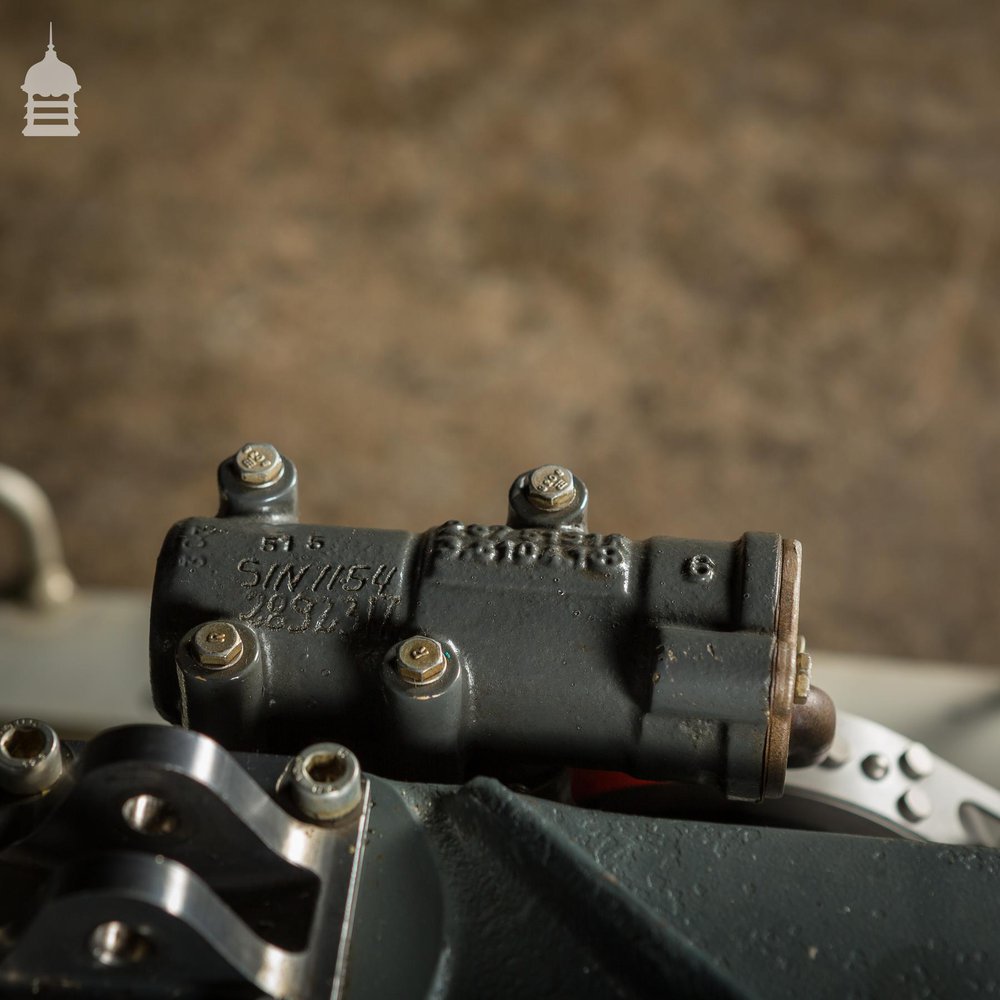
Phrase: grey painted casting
[563,646]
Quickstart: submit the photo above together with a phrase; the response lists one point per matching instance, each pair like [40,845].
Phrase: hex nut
[30,757]
[420,660]
[551,487]
[326,781]
[217,644]
[259,464]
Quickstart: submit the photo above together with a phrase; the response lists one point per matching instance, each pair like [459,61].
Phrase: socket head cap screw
[326,781]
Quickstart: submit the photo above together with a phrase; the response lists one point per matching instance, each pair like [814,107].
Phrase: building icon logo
[53,79]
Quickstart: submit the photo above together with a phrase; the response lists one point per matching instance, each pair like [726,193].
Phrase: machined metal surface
[525,644]
[161,866]
[887,781]
[952,708]
[461,891]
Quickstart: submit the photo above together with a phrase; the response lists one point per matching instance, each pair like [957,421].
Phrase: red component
[588,785]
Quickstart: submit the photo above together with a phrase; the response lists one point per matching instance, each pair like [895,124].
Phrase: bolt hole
[700,567]
[23,742]
[326,768]
[150,815]
[115,943]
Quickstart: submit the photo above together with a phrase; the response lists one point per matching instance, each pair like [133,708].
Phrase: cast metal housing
[667,658]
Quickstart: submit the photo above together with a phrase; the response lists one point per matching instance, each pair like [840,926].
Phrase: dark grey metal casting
[160,865]
[666,658]
[157,865]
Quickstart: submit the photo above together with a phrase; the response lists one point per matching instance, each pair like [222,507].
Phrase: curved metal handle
[49,581]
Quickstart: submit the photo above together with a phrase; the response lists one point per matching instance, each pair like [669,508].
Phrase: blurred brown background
[735,264]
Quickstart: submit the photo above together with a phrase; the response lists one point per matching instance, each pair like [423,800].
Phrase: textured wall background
[736,264]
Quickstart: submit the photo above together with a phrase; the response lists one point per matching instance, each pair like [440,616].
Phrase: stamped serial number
[571,548]
[320,597]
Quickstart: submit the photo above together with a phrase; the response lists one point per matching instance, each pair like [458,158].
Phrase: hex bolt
[326,781]
[917,762]
[217,644]
[876,766]
[259,464]
[420,660]
[30,757]
[551,487]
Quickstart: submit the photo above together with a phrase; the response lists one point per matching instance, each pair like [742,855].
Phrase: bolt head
[326,781]
[30,757]
[551,487]
[217,644]
[420,660]
[259,464]
[917,762]
[915,805]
